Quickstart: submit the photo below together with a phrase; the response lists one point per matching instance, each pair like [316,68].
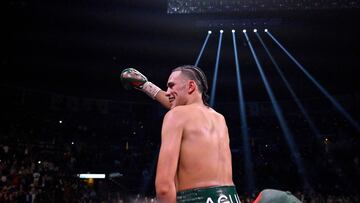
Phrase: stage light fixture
[233,31]
[221,31]
[244,30]
[209,31]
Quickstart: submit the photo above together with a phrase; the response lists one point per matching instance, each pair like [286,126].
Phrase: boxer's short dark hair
[196,74]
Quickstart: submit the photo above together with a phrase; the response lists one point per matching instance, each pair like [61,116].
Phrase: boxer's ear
[191,86]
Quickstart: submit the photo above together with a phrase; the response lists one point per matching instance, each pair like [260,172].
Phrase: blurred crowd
[43,149]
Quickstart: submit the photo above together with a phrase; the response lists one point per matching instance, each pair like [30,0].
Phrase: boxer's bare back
[195,149]
[205,158]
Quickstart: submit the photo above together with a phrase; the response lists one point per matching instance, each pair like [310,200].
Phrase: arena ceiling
[78,48]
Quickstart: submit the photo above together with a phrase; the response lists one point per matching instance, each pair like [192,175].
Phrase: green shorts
[216,194]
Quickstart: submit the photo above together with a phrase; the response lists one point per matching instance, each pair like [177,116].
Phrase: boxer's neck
[195,99]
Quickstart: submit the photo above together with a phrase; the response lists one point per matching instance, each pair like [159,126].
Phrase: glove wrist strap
[150,89]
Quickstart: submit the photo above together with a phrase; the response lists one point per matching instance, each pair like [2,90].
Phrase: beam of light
[203,48]
[212,96]
[292,92]
[321,88]
[249,175]
[278,112]
[299,104]
[89,175]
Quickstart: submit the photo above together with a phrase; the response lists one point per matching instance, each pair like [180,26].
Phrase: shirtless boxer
[195,160]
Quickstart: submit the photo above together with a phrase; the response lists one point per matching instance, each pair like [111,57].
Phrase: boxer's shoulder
[218,115]
[181,110]
[177,114]
[181,114]
[189,112]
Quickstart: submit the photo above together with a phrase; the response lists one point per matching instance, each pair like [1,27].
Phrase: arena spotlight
[233,31]
[212,95]
[332,99]
[280,117]
[244,30]
[221,31]
[203,48]
[244,126]
[291,90]
[255,30]
[266,30]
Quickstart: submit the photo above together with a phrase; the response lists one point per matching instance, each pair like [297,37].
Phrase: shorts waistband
[215,194]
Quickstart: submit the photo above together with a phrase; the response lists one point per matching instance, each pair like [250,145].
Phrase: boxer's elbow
[164,190]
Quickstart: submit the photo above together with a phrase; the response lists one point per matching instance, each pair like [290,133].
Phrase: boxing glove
[133,79]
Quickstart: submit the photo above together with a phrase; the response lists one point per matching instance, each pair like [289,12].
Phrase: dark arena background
[290,94]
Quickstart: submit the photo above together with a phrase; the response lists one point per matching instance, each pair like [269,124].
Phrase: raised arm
[163,99]
[133,79]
